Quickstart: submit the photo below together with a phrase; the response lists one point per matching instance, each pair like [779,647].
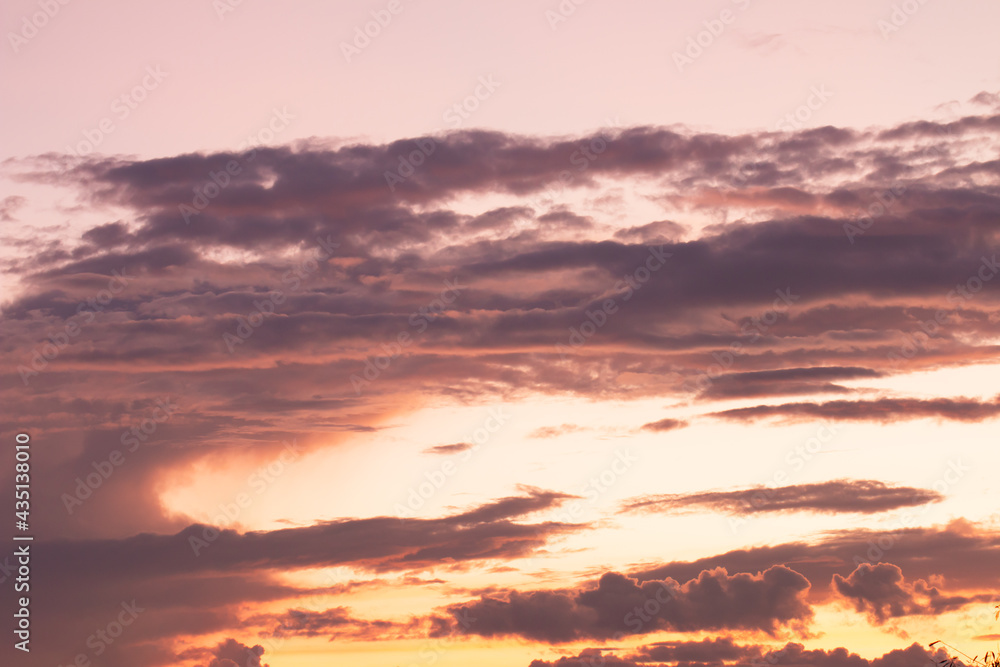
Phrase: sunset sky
[528,334]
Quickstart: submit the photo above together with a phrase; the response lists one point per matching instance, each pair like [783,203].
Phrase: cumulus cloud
[724,652]
[881,592]
[231,653]
[617,605]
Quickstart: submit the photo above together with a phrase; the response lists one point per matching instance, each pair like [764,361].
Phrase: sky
[527,334]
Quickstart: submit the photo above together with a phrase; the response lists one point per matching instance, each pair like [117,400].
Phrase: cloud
[706,651]
[667,424]
[925,553]
[449,449]
[530,271]
[231,653]
[880,592]
[9,206]
[616,606]
[198,581]
[724,652]
[882,410]
[335,623]
[787,381]
[837,496]
[555,431]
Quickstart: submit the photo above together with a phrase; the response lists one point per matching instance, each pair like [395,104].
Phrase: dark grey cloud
[616,606]
[785,381]
[881,592]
